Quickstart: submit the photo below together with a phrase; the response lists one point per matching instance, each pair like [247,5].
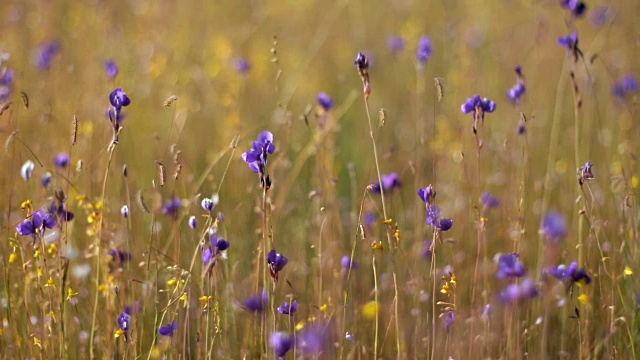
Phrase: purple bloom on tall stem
[207,204]
[280,343]
[46,179]
[119,256]
[288,308]
[427,194]
[124,211]
[192,222]
[571,273]
[424,51]
[389,182]
[362,64]
[478,106]
[554,226]
[6,84]
[325,101]
[257,303]
[276,263]
[518,90]
[62,160]
[124,320]
[347,263]
[172,207]
[169,329]
[515,292]
[256,157]
[577,7]
[448,319]
[627,85]
[570,41]
[510,266]
[118,99]
[30,226]
[46,53]
[112,69]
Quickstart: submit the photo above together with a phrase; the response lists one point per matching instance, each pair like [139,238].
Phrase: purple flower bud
[325,101]
[288,308]
[424,51]
[112,69]
[169,329]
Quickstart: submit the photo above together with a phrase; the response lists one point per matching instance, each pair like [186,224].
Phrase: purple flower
[586,172]
[570,41]
[448,318]
[242,66]
[600,16]
[489,201]
[427,250]
[348,264]
[445,224]
[389,182]
[6,84]
[119,256]
[124,211]
[30,226]
[172,207]
[62,160]
[325,101]
[257,303]
[519,292]
[433,215]
[207,204]
[554,226]
[315,338]
[124,320]
[207,255]
[396,43]
[361,62]
[118,99]
[577,8]
[58,209]
[510,266]
[222,245]
[478,105]
[192,222]
[116,117]
[256,157]
[276,263]
[424,51]
[516,92]
[169,329]
[112,69]
[46,179]
[369,219]
[27,169]
[571,273]
[46,53]
[288,308]
[280,343]
[427,194]
[627,85]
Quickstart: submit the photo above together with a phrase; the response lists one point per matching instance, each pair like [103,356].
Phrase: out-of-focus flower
[288,308]
[571,273]
[600,16]
[112,69]
[193,223]
[172,207]
[169,329]
[570,41]
[27,169]
[276,263]
[434,219]
[577,7]
[6,84]
[510,266]
[315,338]
[207,204]
[347,263]
[62,160]
[478,106]
[124,211]
[627,85]
[242,66]
[45,54]
[325,101]
[396,43]
[554,226]
[424,51]
[389,182]
[124,320]
[448,319]
[46,179]
[427,249]
[257,303]
[489,201]
[526,289]
[280,343]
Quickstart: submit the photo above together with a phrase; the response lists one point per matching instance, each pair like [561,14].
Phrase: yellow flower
[627,271]
[584,298]
[300,325]
[184,299]
[71,294]
[118,333]
[370,309]
[388,221]
[26,205]
[50,283]
[13,257]
[172,282]
[324,307]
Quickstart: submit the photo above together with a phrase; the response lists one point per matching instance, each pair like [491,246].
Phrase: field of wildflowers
[304,180]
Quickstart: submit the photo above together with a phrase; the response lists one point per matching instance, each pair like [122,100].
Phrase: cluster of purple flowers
[257,303]
[216,246]
[478,106]
[433,212]
[118,99]
[172,207]
[509,266]
[256,157]
[573,274]
[516,292]
[39,221]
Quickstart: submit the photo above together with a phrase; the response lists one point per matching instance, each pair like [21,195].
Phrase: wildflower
[489,201]
[256,157]
[448,318]
[627,85]
[257,303]
[169,329]
[38,220]
[569,41]
[112,69]
[193,223]
[288,308]
[362,64]
[519,292]
[280,343]
[276,263]
[124,211]
[396,43]
[347,263]
[118,99]
[424,51]
[577,8]
[389,182]
[427,251]
[119,257]
[57,208]
[434,219]
[124,320]
[6,84]
[325,101]
[585,172]
[46,179]
[242,66]
[172,207]
[427,194]
[315,338]
[27,169]
[600,16]
[62,160]
[46,53]
[510,266]
[554,226]
[478,106]
[216,246]
[207,204]
[572,273]
[115,117]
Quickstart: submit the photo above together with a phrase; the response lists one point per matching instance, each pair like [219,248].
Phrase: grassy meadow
[307,180]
